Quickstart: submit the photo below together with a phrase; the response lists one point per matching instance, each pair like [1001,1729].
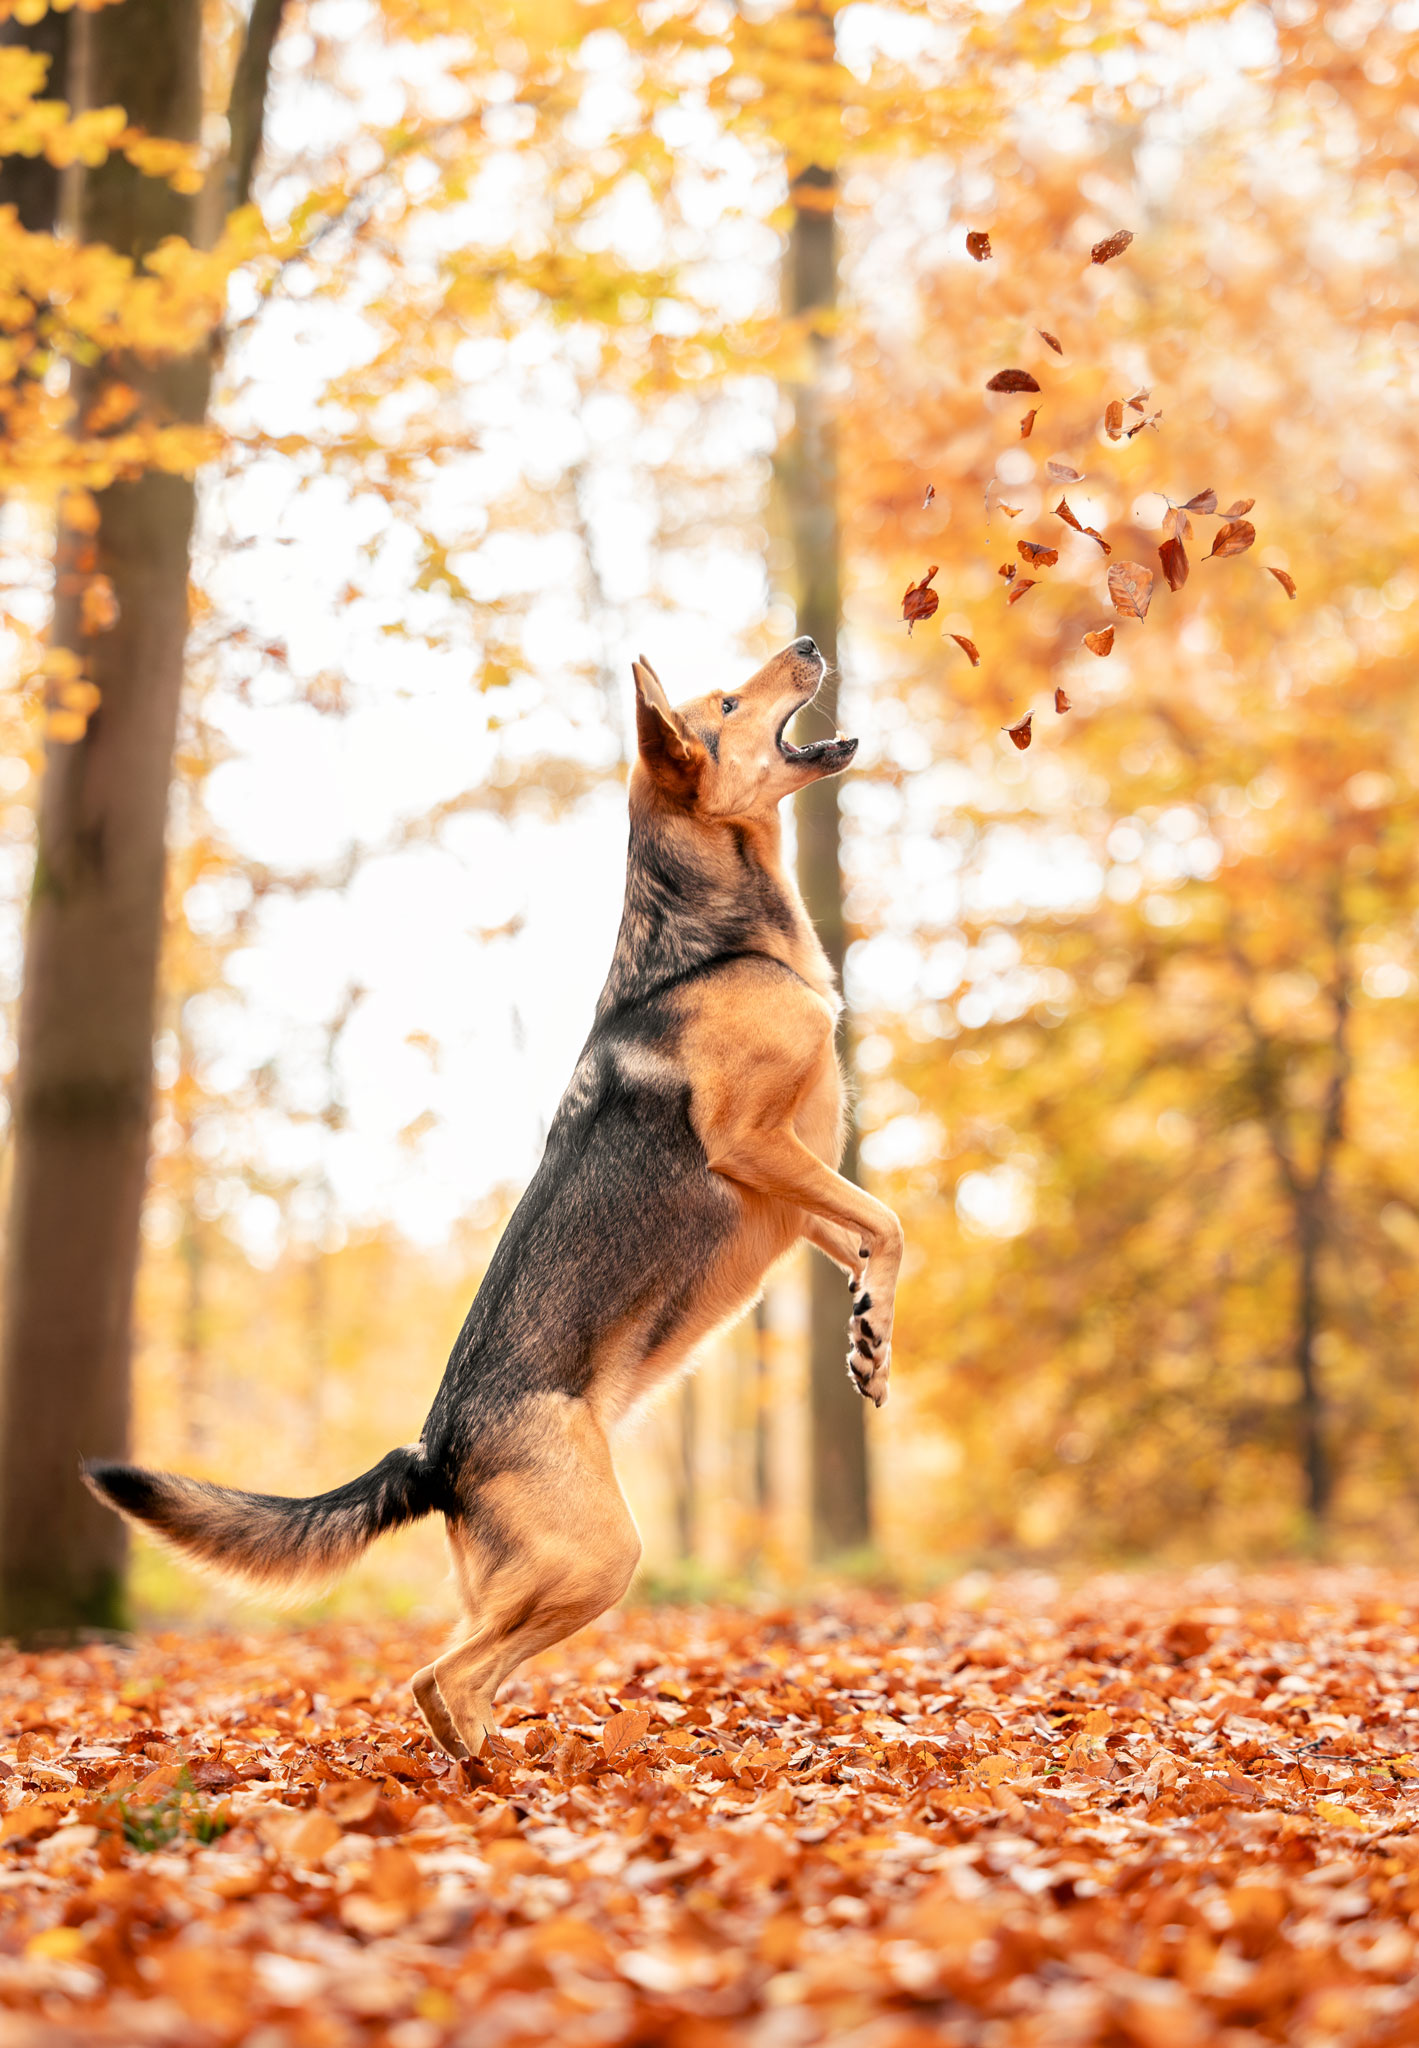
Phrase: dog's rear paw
[869,1362]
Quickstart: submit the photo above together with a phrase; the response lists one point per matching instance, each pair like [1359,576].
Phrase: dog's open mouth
[828,755]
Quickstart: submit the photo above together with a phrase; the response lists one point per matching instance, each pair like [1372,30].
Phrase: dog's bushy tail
[263,1539]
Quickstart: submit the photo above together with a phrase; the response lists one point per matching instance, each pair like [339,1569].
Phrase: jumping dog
[697,1142]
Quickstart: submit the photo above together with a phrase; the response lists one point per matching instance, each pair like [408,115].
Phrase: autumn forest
[378,379]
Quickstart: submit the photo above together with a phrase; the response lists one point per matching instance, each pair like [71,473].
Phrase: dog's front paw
[869,1362]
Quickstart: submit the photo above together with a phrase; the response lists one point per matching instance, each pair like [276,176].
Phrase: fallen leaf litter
[1144,1811]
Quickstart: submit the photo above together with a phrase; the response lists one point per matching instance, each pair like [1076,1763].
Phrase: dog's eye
[728,704]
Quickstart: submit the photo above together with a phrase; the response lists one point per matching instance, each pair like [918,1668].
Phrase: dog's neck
[698,890]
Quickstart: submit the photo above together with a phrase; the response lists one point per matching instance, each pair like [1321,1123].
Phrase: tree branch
[246,110]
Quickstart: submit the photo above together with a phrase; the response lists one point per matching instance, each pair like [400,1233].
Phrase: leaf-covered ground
[1152,1812]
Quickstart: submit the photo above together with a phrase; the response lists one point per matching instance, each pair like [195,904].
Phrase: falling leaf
[1176,524]
[1010,511]
[1020,731]
[930,494]
[978,243]
[919,602]
[1151,421]
[1288,583]
[1008,571]
[968,648]
[1062,511]
[1012,380]
[1061,701]
[1052,340]
[1204,501]
[1036,554]
[1131,588]
[1019,587]
[1242,505]
[1173,556]
[1113,418]
[1233,539]
[1100,642]
[1064,472]
[1111,246]
[1027,424]
[1139,400]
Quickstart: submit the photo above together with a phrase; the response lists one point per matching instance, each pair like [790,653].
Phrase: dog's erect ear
[668,748]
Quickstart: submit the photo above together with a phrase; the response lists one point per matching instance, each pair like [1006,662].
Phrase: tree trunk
[82,1089]
[838,1470]
[31,184]
[1315,1462]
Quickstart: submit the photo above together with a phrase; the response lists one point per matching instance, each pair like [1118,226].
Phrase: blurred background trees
[554,331]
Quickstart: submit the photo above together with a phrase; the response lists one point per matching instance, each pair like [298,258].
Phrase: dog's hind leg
[550,1546]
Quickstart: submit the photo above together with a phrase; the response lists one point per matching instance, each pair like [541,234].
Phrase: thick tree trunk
[83,1081]
[839,1483]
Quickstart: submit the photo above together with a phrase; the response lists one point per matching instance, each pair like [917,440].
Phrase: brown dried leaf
[919,602]
[1203,501]
[1061,701]
[1242,505]
[1151,421]
[1020,731]
[1131,588]
[1010,511]
[1233,539]
[1111,246]
[1052,340]
[978,244]
[1100,642]
[1037,554]
[1139,400]
[930,494]
[623,1731]
[1177,525]
[1019,587]
[1008,571]
[1173,556]
[1012,380]
[1064,472]
[1062,511]
[968,648]
[1113,418]
[1288,583]
[1027,424]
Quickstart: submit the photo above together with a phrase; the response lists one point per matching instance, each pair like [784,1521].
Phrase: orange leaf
[1061,701]
[1131,588]
[1288,583]
[1027,424]
[968,648]
[1233,539]
[919,601]
[978,244]
[1100,642]
[1111,246]
[1020,731]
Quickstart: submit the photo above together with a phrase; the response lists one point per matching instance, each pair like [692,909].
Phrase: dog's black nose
[806,644]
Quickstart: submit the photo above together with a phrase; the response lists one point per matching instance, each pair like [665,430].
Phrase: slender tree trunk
[1315,1460]
[686,1502]
[838,1471]
[83,1081]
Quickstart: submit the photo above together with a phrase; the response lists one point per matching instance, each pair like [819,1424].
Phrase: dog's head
[725,755]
